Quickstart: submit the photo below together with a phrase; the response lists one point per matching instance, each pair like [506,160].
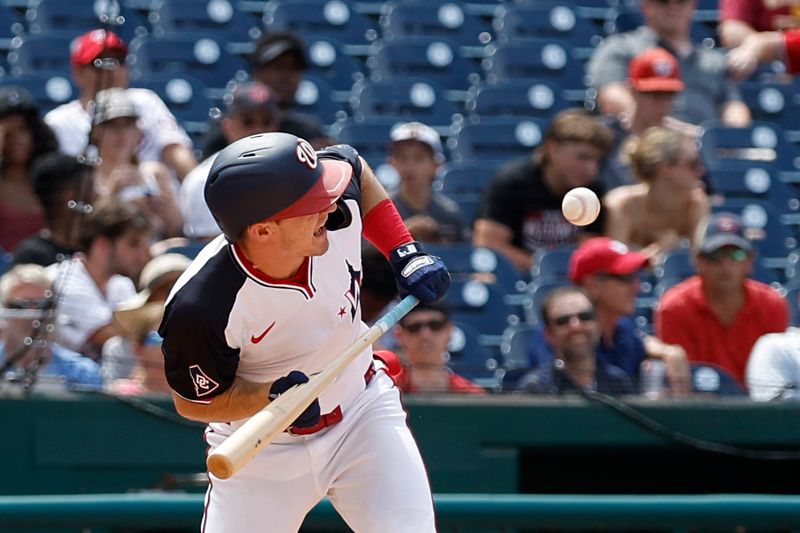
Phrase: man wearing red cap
[710,93]
[654,80]
[609,273]
[98,60]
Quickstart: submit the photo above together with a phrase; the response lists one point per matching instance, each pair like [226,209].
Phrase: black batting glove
[418,273]
[311,415]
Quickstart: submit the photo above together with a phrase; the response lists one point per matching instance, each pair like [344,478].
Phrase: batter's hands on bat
[311,415]
[418,273]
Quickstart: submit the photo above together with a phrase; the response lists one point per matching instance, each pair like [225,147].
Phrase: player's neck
[276,264]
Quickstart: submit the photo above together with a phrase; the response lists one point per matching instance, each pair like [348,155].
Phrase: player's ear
[260,230]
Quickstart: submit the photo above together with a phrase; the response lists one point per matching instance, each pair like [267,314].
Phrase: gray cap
[113,103]
[724,229]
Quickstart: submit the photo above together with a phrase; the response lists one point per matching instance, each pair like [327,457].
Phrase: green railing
[462,512]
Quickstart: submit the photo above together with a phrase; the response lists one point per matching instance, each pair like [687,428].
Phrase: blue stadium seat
[760,142]
[370,136]
[466,178]
[708,378]
[539,289]
[514,349]
[516,98]
[447,20]
[220,18]
[496,139]
[49,90]
[481,306]
[185,97]
[559,21]
[74,17]
[198,55]
[41,54]
[329,62]
[465,262]
[408,98]
[335,19]
[549,265]
[12,24]
[628,19]
[774,101]
[470,358]
[5,261]
[316,97]
[793,298]
[539,60]
[426,57]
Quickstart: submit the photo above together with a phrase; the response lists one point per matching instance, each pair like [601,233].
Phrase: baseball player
[272,301]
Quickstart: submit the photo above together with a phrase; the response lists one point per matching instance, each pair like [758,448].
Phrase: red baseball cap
[655,70]
[93,44]
[602,254]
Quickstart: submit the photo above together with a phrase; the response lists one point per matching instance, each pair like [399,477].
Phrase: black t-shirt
[40,250]
[518,198]
[299,124]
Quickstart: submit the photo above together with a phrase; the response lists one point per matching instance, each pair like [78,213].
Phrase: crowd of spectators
[93,192]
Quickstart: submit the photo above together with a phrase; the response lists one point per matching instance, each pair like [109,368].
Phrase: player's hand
[418,273]
[311,415]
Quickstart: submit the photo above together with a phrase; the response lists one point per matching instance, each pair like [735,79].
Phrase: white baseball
[580,206]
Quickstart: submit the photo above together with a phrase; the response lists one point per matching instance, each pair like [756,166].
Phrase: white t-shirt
[773,369]
[82,307]
[72,123]
[198,222]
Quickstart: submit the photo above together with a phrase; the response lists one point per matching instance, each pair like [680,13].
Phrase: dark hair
[15,100]
[111,219]
[557,293]
[576,125]
[273,45]
[54,173]
[439,305]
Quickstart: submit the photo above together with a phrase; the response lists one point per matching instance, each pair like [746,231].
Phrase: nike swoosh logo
[256,340]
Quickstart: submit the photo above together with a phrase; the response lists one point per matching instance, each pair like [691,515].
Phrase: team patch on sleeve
[203,385]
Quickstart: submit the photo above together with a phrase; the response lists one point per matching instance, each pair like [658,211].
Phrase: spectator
[148,184]
[250,108]
[773,369]
[60,181]
[415,152]
[23,138]
[27,299]
[424,334]
[668,204]
[739,19]
[609,273]
[115,243]
[98,60]
[572,330]
[138,318]
[763,47]
[521,209]
[718,314]
[709,95]
[279,61]
[654,80]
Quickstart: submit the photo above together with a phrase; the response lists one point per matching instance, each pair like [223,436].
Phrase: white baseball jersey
[225,319]
[72,123]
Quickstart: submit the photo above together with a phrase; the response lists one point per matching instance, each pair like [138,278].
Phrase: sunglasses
[734,254]
[22,303]
[622,278]
[433,325]
[583,316]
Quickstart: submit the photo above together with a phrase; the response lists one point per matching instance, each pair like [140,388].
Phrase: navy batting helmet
[271,176]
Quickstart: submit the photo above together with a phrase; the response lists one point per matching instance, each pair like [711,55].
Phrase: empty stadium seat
[74,17]
[329,62]
[198,55]
[221,18]
[370,136]
[481,306]
[185,97]
[466,178]
[433,58]
[516,98]
[774,101]
[708,378]
[497,139]
[409,98]
[42,54]
[315,97]
[559,21]
[551,265]
[465,262]
[335,19]
[793,299]
[439,19]
[539,60]
[469,357]
[11,25]
[49,90]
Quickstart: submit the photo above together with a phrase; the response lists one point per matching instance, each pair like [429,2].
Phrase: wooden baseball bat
[244,443]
